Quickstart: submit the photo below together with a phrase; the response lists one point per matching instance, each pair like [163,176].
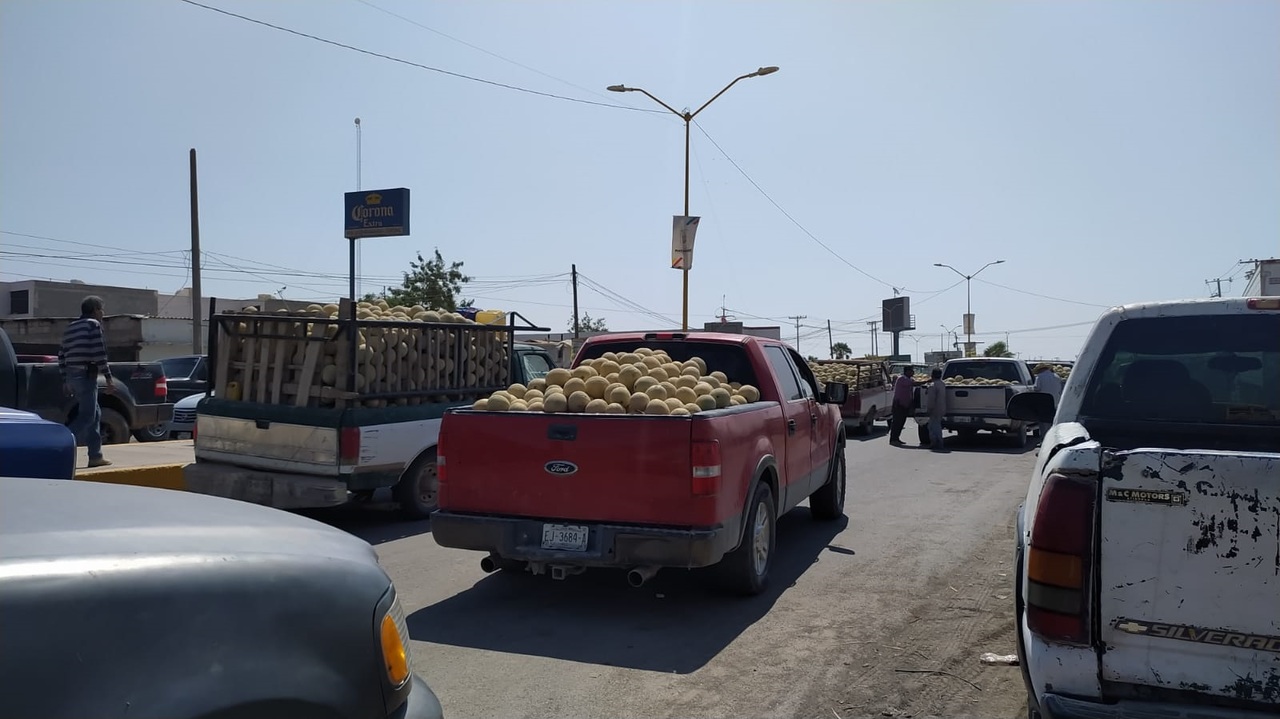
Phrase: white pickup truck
[978,391]
[1148,548]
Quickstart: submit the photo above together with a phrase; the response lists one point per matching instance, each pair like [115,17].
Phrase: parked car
[558,493]
[1147,549]
[138,407]
[183,424]
[170,605]
[35,447]
[188,375]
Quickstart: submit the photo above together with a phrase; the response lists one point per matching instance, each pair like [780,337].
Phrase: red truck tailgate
[571,466]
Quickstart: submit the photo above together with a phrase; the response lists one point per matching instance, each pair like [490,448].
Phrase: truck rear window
[732,359]
[1201,370]
[1007,371]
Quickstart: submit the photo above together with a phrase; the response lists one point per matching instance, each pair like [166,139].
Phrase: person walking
[82,357]
[903,394]
[937,401]
[1049,382]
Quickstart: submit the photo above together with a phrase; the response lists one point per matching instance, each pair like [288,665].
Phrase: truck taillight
[706,467]
[440,467]
[1259,303]
[162,387]
[1059,560]
[349,445]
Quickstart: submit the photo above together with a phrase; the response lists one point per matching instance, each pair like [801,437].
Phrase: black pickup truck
[138,405]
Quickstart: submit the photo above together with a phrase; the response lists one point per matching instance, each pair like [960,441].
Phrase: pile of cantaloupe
[643,381]
[394,359]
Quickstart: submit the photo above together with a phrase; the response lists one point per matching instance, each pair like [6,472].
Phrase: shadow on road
[878,431]
[987,443]
[374,523]
[677,622]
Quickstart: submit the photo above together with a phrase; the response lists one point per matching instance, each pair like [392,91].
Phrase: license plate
[565,536]
[961,419]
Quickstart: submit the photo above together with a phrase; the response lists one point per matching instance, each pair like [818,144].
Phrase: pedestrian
[1049,382]
[81,359]
[903,396]
[937,400]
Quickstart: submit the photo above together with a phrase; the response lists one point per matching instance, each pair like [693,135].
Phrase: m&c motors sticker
[1170,498]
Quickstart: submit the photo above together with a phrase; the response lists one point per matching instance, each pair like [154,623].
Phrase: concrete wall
[62,299]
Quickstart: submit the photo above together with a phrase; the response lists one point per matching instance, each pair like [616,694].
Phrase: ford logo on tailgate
[560,468]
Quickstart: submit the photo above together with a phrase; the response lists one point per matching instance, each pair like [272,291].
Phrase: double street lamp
[968,302]
[688,118]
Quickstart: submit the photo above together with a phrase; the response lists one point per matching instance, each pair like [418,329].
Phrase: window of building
[20,302]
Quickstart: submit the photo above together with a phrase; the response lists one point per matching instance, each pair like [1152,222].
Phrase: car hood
[189,402]
[69,519]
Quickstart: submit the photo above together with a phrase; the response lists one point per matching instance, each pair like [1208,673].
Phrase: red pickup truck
[557,493]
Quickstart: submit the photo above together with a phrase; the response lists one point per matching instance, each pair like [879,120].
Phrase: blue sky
[1109,152]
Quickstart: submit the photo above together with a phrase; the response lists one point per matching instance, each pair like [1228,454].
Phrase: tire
[152,433]
[827,503]
[746,569]
[1020,436]
[418,490]
[868,422]
[114,427]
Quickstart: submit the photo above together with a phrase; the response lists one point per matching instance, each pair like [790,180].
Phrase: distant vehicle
[138,407]
[35,447]
[188,375]
[183,423]
[1148,547]
[172,604]
[978,391]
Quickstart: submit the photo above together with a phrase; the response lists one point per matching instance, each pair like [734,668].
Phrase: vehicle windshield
[1007,371]
[535,364]
[179,367]
[731,359]
[1202,369]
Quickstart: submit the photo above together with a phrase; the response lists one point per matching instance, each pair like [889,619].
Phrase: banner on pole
[683,230]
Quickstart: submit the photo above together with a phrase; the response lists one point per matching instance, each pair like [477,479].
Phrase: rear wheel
[1020,439]
[828,502]
[746,569]
[418,490]
[152,433]
[114,427]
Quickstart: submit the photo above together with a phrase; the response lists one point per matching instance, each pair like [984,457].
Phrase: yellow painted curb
[161,476]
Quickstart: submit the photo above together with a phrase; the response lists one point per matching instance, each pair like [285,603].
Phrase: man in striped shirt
[82,358]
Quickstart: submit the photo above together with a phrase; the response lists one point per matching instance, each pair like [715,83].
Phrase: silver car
[184,417]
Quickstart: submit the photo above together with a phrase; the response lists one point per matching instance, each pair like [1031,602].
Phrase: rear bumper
[273,489]
[958,422]
[609,545]
[145,415]
[1054,706]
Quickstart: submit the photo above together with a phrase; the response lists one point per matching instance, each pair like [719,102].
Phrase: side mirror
[1031,407]
[835,393]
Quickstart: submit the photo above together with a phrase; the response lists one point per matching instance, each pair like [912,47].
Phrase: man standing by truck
[1047,381]
[82,357]
[903,391]
[937,402]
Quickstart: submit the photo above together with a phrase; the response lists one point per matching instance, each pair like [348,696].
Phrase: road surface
[883,615]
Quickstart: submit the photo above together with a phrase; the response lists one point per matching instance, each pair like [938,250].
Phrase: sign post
[683,230]
[376,213]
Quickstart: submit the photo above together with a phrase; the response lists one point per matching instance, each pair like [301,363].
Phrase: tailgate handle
[564,432]
[962,393]
[262,423]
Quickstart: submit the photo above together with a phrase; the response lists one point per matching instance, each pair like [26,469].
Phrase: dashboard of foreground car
[138,602]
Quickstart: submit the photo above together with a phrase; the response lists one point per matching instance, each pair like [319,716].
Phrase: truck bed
[630,469]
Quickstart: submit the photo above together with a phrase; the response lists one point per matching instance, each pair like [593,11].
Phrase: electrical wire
[794,221]
[418,65]
[1045,297]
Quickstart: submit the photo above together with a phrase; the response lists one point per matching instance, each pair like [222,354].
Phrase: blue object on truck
[35,447]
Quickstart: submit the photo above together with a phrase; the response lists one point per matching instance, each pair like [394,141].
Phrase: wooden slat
[315,349]
[246,379]
[264,360]
[228,343]
[284,353]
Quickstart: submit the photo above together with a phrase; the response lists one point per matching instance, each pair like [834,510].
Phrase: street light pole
[968,295]
[687,117]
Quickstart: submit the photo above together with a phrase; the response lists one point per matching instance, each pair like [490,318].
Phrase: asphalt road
[884,614]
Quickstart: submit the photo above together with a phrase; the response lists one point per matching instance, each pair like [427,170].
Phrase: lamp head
[618,88]
[767,70]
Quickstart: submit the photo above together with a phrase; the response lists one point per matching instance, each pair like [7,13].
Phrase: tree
[812,358]
[997,349]
[429,283]
[840,350]
[587,323]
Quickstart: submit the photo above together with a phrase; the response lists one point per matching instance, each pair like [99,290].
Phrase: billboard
[895,314]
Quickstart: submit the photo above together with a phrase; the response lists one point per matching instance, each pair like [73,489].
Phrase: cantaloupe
[578,401]
[596,387]
[555,402]
[657,406]
[721,396]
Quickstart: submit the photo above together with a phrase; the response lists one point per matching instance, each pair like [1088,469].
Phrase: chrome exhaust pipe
[638,576]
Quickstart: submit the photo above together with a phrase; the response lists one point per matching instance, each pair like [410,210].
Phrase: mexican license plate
[569,537]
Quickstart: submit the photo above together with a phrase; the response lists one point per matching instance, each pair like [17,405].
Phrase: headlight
[394,637]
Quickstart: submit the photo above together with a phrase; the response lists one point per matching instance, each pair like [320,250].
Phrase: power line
[1036,294]
[418,65]
[796,222]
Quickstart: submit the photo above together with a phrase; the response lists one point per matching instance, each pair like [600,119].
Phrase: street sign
[377,213]
[683,230]
[968,325]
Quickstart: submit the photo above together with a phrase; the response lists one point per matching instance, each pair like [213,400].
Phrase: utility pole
[797,319]
[875,346]
[1218,286]
[197,322]
[359,248]
[577,327]
[831,343]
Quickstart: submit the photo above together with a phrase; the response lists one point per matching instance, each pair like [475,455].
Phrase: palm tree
[840,350]
[997,349]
